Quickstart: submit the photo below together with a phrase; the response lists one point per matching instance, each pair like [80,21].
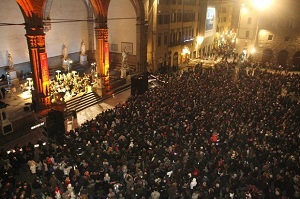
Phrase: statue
[82,48]
[10,62]
[65,52]
[124,59]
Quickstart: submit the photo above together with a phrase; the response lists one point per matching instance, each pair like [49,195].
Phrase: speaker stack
[139,84]
[55,124]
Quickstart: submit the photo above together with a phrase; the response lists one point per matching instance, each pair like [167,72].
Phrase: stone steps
[82,102]
[119,66]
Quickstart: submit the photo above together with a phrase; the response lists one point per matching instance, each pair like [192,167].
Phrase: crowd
[217,133]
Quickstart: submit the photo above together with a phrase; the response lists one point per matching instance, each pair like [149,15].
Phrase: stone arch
[48,4]
[296,59]
[175,59]
[141,43]
[138,17]
[267,55]
[47,11]
[282,57]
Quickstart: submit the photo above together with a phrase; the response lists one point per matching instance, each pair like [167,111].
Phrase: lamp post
[58,74]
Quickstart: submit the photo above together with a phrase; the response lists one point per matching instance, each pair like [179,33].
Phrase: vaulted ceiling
[34,11]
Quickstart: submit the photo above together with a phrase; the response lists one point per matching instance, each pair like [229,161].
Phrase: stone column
[102,51]
[141,47]
[39,66]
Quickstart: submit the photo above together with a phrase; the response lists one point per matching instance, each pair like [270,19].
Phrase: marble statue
[124,59]
[10,62]
[65,52]
[83,48]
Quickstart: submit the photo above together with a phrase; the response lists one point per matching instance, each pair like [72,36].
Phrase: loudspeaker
[55,124]
[139,84]
[6,128]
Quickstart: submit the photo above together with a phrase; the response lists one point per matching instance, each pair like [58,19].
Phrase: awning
[207,41]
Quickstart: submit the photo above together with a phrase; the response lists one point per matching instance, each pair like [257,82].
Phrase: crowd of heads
[208,133]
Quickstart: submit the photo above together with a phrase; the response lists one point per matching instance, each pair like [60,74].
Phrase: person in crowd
[219,134]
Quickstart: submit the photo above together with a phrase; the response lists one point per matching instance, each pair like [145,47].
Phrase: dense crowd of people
[218,133]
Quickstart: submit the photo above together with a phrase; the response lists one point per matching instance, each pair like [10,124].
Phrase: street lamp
[262,4]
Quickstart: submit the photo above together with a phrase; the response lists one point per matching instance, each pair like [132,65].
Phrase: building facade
[271,36]
[180,30]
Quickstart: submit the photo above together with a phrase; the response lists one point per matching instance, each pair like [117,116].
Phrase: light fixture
[185,50]
[199,40]
[262,4]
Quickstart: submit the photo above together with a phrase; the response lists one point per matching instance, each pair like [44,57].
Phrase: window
[270,37]
[171,39]
[159,40]
[286,38]
[249,20]
[223,10]
[247,33]
[173,17]
[160,19]
[114,47]
[165,39]
[179,16]
[188,16]
[223,19]
[167,18]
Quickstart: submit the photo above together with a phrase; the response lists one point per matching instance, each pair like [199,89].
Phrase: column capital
[36,41]
[101,33]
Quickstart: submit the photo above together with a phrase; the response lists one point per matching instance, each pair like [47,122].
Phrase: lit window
[247,33]
[270,37]
[249,20]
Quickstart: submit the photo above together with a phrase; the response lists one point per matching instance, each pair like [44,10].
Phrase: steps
[131,67]
[82,102]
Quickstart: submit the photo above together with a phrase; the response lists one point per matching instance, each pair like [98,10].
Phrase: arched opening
[175,59]
[123,35]
[67,32]
[296,60]
[267,56]
[282,58]
[13,40]
[194,55]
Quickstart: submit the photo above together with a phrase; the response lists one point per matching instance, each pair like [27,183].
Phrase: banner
[210,18]
[44,67]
